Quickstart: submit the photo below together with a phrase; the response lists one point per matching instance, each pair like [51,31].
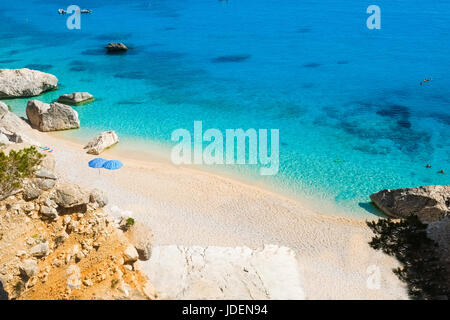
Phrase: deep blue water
[353,118]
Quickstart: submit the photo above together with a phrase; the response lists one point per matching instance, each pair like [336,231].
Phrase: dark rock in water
[429,203]
[132,102]
[116,47]
[394,111]
[93,52]
[307,85]
[37,66]
[79,65]
[304,30]
[137,75]
[404,124]
[78,69]
[311,65]
[232,58]
[9,60]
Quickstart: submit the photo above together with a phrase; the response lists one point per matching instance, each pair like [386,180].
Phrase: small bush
[421,268]
[15,167]
[130,222]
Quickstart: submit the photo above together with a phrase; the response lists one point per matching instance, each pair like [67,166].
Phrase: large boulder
[52,117]
[40,250]
[76,98]
[12,127]
[142,238]
[25,83]
[429,203]
[102,142]
[28,268]
[70,196]
[3,109]
[116,47]
[130,254]
[99,198]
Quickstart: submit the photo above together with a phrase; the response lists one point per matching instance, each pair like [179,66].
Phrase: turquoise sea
[352,114]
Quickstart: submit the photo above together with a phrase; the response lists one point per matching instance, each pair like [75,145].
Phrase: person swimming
[428,166]
[425,80]
[442,171]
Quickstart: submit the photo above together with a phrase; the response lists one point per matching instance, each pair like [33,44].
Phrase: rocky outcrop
[98,198]
[12,128]
[25,83]
[429,203]
[78,255]
[102,142]
[70,196]
[76,98]
[225,273]
[51,117]
[141,237]
[116,47]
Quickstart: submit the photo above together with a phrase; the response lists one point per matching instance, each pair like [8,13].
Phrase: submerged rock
[76,98]
[429,203]
[102,142]
[25,83]
[116,47]
[52,117]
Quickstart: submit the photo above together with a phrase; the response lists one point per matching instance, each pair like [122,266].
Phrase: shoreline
[159,154]
[191,207]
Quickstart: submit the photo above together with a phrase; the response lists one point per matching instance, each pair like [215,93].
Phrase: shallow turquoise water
[353,118]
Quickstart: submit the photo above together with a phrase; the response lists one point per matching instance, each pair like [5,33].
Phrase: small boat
[85,11]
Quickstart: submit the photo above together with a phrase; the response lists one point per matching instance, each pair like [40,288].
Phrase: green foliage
[421,268]
[15,167]
[130,222]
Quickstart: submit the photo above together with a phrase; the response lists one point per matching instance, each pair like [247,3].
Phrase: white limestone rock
[25,83]
[179,272]
[102,142]
[76,98]
[52,117]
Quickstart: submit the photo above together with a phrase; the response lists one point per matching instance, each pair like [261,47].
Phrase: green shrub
[130,222]
[15,167]
[421,269]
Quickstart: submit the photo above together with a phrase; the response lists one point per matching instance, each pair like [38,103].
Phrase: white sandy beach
[189,207]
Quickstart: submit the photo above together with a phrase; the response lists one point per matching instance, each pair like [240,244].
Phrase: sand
[190,207]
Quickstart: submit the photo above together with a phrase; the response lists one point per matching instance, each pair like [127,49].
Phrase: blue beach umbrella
[97,163]
[113,165]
